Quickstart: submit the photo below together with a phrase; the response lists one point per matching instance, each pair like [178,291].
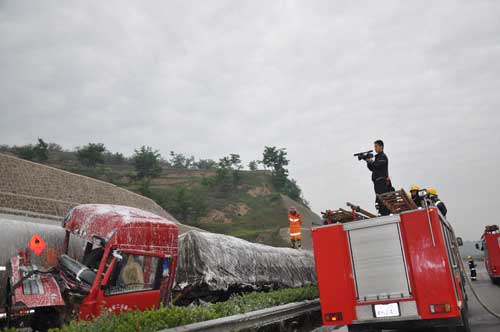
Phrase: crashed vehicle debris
[128,263]
[213,266]
[118,258]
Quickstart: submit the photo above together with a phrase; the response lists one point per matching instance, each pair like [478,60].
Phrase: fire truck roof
[101,220]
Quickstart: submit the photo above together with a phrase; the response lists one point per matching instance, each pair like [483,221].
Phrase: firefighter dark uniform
[437,202]
[415,196]
[472,268]
[380,177]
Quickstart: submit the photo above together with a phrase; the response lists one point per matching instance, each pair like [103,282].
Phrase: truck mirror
[477,246]
[116,254]
[460,241]
[422,193]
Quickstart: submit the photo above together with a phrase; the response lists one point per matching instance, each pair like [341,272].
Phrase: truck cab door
[131,283]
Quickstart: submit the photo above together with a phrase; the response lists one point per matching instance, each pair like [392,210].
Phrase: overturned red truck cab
[128,263]
[392,272]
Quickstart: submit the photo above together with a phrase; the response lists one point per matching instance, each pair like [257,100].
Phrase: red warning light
[37,244]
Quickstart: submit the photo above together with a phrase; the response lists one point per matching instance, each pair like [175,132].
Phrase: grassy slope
[266,214]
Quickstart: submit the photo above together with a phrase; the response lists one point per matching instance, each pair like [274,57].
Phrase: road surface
[479,319]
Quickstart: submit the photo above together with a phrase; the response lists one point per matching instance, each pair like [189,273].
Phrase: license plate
[386,310]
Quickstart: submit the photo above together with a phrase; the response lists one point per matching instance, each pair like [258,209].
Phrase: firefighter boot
[299,244]
[293,244]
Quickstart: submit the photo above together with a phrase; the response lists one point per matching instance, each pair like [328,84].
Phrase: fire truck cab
[128,263]
[490,245]
[391,272]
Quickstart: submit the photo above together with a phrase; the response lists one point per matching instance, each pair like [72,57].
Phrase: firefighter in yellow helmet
[414,195]
[433,196]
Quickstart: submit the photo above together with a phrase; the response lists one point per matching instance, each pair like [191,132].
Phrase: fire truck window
[133,273]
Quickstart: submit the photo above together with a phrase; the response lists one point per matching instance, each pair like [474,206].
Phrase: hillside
[250,209]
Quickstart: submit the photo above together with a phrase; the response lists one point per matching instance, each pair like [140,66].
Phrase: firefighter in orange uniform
[295,220]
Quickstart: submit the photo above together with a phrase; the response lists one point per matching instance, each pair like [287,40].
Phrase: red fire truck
[391,272]
[490,245]
[128,263]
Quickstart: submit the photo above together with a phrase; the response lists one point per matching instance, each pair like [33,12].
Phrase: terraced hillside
[251,209]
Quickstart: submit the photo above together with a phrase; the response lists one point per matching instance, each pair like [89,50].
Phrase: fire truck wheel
[362,328]
[44,319]
[465,321]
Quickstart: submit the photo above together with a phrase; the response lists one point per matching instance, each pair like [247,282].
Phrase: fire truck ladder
[397,201]
[343,216]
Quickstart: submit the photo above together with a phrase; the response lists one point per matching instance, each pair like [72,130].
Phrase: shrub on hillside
[91,154]
[147,162]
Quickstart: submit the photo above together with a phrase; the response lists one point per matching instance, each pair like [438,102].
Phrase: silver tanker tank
[15,235]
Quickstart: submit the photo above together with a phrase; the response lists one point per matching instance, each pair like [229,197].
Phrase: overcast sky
[323,79]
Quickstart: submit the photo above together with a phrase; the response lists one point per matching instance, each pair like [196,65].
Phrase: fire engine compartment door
[378,259]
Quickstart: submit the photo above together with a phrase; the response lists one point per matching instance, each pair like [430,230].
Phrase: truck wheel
[465,321]
[362,328]
[45,319]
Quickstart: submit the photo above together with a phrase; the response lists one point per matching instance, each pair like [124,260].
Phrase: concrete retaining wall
[29,186]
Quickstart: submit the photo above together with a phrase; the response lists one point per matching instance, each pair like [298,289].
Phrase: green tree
[147,162]
[38,152]
[179,160]
[276,159]
[253,166]
[91,154]
[41,151]
[205,164]
[228,171]
[223,170]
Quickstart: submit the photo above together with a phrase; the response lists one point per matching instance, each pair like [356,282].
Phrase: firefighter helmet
[432,191]
[414,188]
[469,257]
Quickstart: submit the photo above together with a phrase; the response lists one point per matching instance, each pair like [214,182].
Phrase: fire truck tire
[362,328]
[465,321]
[45,319]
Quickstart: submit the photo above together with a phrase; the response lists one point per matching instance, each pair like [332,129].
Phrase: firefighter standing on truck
[295,220]
[433,196]
[380,174]
[415,196]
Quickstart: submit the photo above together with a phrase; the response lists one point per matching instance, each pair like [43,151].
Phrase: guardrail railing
[251,319]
